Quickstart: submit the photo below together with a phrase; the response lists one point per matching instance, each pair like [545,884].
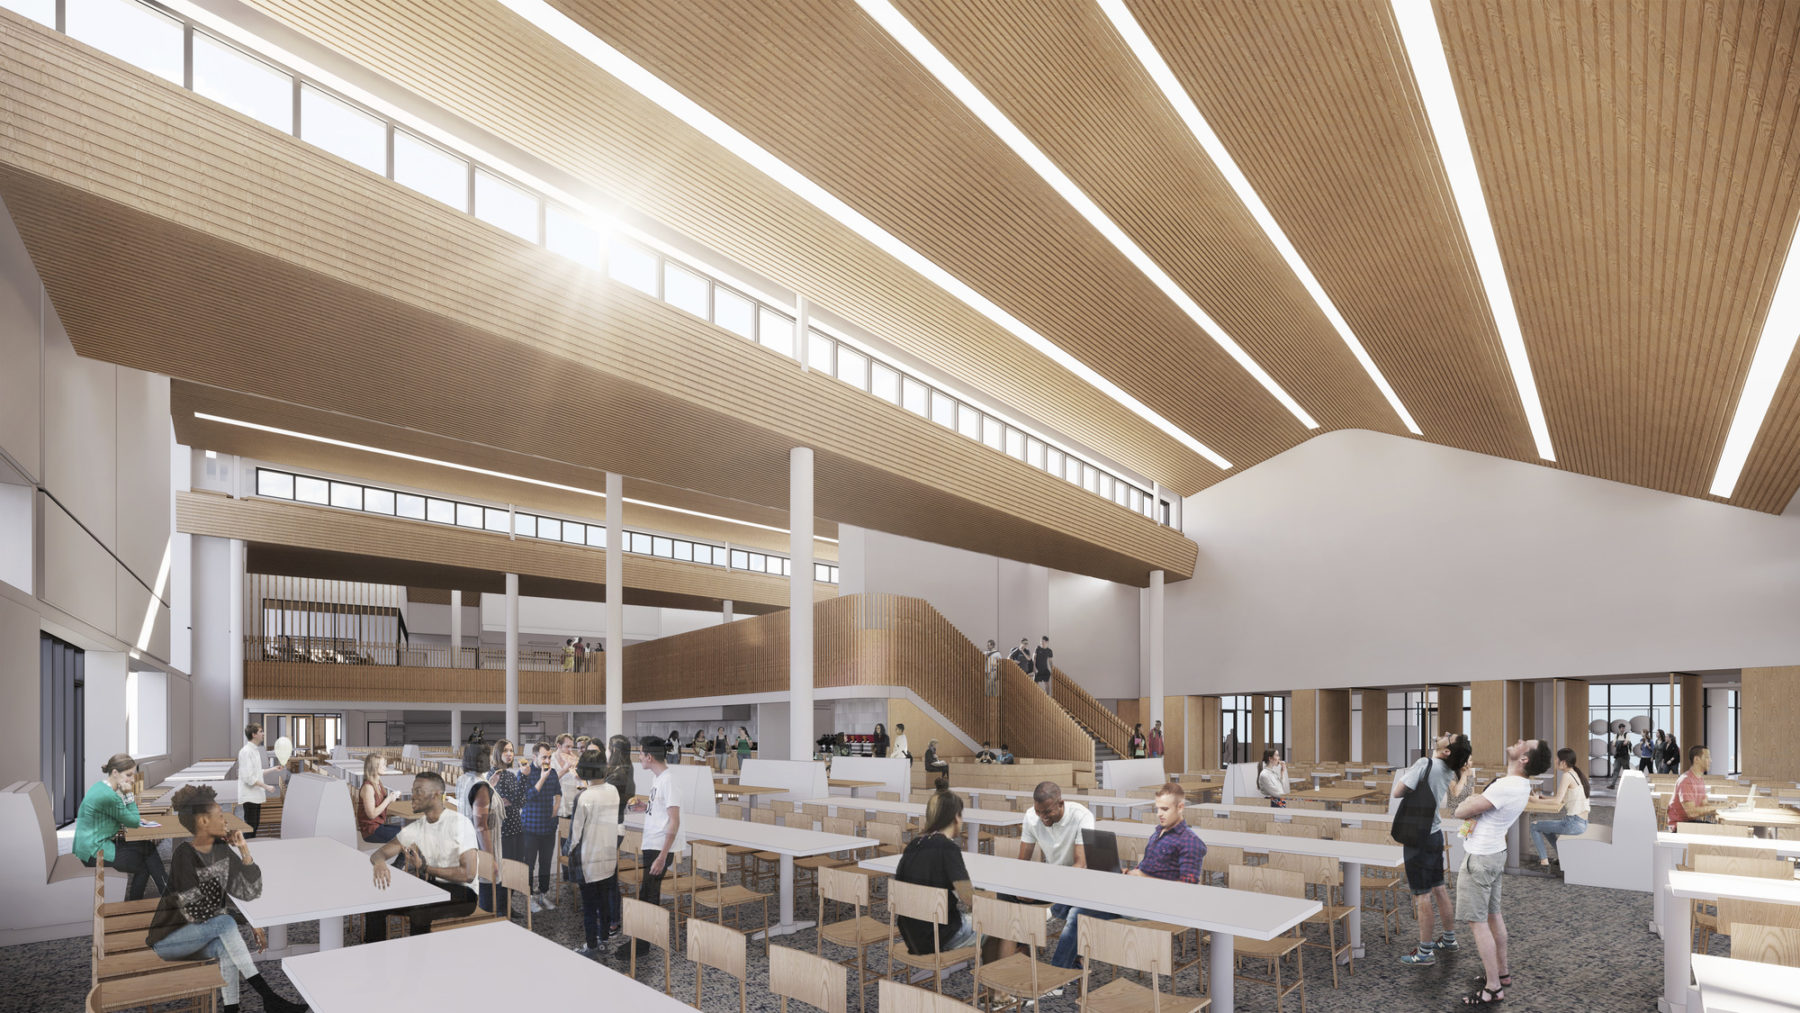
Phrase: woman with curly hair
[192,920]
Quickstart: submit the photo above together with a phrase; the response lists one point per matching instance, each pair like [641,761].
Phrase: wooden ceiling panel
[1640,162]
[1316,103]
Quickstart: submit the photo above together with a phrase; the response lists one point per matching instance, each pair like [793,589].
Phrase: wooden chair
[894,997]
[1218,859]
[1280,882]
[629,850]
[796,974]
[1133,947]
[1765,944]
[485,869]
[640,920]
[1708,923]
[720,948]
[196,988]
[858,932]
[1328,826]
[563,825]
[931,905]
[731,811]
[115,968]
[887,796]
[1370,808]
[1294,830]
[763,863]
[1385,885]
[1020,976]
[711,860]
[1325,873]
[889,836]
[1255,823]
[1233,824]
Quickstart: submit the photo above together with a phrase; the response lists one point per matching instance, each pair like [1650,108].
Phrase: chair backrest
[646,921]
[709,859]
[817,812]
[839,825]
[731,811]
[633,843]
[763,816]
[485,864]
[1123,944]
[1328,826]
[717,946]
[1365,807]
[1255,822]
[1220,858]
[886,833]
[1321,870]
[893,997]
[893,819]
[924,903]
[780,807]
[1765,944]
[1764,868]
[1366,835]
[1293,830]
[887,796]
[1017,923]
[1265,879]
[844,887]
[1231,824]
[1712,829]
[816,981]
[1130,848]
[1757,912]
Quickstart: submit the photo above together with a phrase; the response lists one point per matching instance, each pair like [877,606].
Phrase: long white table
[1671,850]
[1114,802]
[1287,815]
[458,972]
[1224,913]
[1352,855]
[974,818]
[320,879]
[1745,986]
[788,842]
[1679,995]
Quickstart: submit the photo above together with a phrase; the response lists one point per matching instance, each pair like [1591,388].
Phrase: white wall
[963,585]
[1358,557]
[562,617]
[1094,629]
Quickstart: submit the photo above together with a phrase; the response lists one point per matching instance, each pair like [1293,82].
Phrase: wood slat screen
[1111,728]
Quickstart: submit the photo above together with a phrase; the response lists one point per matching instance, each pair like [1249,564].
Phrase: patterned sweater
[198,885]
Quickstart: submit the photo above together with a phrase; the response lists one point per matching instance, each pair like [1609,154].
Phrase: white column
[1156,648]
[615,604]
[800,604]
[728,605]
[456,629]
[234,626]
[512,658]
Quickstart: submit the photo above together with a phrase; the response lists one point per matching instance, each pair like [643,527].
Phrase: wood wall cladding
[1450,710]
[1334,725]
[1488,717]
[1204,744]
[1769,723]
[1114,729]
[1303,726]
[1571,704]
[1693,713]
[330,264]
[1374,726]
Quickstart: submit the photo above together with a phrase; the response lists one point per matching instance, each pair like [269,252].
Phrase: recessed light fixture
[1773,350]
[946,73]
[560,27]
[1177,96]
[1431,72]
[384,452]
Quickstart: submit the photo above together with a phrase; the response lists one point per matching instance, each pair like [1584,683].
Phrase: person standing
[1054,826]
[1440,771]
[192,920]
[662,832]
[1689,804]
[1486,819]
[568,655]
[580,655]
[484,809]
[624,783]
[880,743]
[504,777]
[252,791]
[594,849]
[1042,668]
[1021,656]
[1621,758]
[543,789]
[108,808]
[439,847]
[1228,749]
[1671,755]
[721,748]
[1571,796]
[1136,747]
[743,746]
[372,800]
[1156,740]
[673,753]
[901,747]
[1271,778]
[990,688]
[1645,752]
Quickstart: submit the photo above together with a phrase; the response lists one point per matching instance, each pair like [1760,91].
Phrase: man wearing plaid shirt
[1174,850]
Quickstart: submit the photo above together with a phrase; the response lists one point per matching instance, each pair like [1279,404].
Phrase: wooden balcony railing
[1111,728]
[328,651]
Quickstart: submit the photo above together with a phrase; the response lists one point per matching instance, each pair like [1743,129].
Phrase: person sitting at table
[1054,826]
[484,809]
[372,801]
[933,859]
[108,808]
[594,848]
[1271,778]
[1572,798]
[1006,755]
[933,765]
[439,847]
[986,755]
[1689,804]
[1174,850]
[192,921]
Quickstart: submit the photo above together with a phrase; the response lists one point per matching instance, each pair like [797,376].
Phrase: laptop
[1102,850]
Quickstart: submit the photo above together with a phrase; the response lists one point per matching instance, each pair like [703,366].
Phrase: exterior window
[496,520]
[507,205]
[440,511]
[664,547]
[573,534]
[775,331]
[640,542]
[566,234]
[41,11]
[312,490]
[1054,462]
[758,562]
[819,352]
[1162,508]
[968,422]
[1073,470]
[630,264]
[853,367]
[912,395]
[429,169]
[345,495]
[549,527]
[740,560]
[468,516]
[884,383]
[378,501]
[720,557]
[239,81]
[1015,443]
[130,31]
[943,409]
[687,291]
[342,129]
[734,313]
[993,432]
[1034,453]
[684,551]
[1106,485]
[278,484]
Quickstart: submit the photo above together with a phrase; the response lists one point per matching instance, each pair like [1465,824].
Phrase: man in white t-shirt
[252,792]
[1487,817]
[662,831]
[1054,826]
[439,847]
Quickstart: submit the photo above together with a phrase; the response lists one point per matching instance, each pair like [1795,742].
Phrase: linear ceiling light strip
[1172,90]
[1431,71]
[472,469]
[903,32]
[610,60]
[1781,326]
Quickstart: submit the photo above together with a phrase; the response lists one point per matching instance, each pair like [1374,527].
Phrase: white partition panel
[1120,776]
[319,806]
[803,779]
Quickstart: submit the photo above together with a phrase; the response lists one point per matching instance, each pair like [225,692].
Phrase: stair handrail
[1091,713]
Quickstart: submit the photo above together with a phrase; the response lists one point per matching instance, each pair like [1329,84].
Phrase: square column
[800,604]
[615,604]
[512,658]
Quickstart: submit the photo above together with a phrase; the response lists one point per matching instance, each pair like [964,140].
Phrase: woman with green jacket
[106,811]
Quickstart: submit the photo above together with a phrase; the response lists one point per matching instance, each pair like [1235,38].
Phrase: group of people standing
[1142,746]
[1034,662]
[580,656]
[1659,755]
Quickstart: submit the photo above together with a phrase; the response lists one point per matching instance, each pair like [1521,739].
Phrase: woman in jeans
[1571,794]
[372,800]
[108,808]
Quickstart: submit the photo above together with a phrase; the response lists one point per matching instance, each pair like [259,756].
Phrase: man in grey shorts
[1487,817]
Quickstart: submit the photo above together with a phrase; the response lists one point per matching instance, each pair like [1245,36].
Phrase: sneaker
[1447,941]
[535,906]
[1420,955]
[544,903]
[592,952]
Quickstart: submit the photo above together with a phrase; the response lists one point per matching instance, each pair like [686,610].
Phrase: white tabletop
[1121,801]
[1387,856]
[409,973]
[307,878]
[984,817]
[796,841]
[1208,908]
[1711,886]
[1745,986]
[1290,812]
[1775,848]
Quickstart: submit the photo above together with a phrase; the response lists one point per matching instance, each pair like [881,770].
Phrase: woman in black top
[620,775]
[881,740]
[192,920]
[933,859]
[1138,742]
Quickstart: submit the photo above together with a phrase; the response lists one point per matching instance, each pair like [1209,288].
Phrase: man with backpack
[1423,787]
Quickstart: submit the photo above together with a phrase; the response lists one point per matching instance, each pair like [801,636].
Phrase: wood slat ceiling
[328,287]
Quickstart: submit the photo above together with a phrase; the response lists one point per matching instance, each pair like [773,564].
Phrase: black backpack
[1412,821]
